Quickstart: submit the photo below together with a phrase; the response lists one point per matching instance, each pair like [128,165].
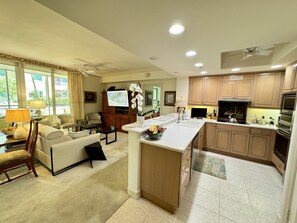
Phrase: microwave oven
[288,103]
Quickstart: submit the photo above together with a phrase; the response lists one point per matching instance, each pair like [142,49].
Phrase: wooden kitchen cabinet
[210,133]
[196,90]
[201,138]
[240,140]
[267,90]
[236,89]
[211,91]
[290,82]
[261,143]
[222,137]
[165,175]
[203,90]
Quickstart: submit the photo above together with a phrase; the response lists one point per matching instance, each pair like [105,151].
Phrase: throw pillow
[76,135]
[50,133]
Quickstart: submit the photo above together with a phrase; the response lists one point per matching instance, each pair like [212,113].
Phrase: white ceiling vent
[236,78]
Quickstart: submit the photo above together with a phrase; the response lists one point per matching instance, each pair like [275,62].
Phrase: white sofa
[59,151]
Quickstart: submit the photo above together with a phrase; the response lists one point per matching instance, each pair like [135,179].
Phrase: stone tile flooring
[251,193]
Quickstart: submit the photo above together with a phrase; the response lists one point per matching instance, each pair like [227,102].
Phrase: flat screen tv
[198,112]
[118,98]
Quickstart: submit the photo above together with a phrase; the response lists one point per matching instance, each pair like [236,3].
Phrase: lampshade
[37,104]
[17,115]
[181,102]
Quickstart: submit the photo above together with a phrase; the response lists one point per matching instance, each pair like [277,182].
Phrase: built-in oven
[282,144]
[284,130]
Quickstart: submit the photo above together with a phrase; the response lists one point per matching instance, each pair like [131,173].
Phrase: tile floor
[251,193]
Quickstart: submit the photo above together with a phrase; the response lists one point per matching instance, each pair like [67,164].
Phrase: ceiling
[123,35]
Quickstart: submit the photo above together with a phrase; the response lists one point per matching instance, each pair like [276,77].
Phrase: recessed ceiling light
[235,69]
[176,29]
[203,72]
[191,53]
[276,66]
[198,64]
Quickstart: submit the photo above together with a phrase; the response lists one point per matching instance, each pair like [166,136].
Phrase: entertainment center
[117,116]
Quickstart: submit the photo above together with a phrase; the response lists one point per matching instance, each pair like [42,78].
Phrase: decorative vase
[140,119]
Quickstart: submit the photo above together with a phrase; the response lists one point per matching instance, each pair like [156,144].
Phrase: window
[8,89]
[61,93]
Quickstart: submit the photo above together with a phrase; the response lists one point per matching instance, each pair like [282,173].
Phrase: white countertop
[254,125]
[177,136]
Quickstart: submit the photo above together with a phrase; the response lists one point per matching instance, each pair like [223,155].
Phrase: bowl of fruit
[155,132]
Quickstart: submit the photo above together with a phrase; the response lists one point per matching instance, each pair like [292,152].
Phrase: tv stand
[117,116]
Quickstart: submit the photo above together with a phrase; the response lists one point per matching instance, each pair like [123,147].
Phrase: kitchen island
[154,165]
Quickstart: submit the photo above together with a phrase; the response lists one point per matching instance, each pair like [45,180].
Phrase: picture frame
[90,96]
[148,98]
[170,97]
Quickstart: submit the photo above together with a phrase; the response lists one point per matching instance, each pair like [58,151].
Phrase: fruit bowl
[155,132]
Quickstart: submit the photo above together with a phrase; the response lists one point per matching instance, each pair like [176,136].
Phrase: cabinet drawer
[240,129]
[261,131]
[224,127]
[186,153]
[184,186]
[278,163]
[185,168]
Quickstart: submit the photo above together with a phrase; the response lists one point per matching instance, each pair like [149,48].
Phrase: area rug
[210,165]
[92,199]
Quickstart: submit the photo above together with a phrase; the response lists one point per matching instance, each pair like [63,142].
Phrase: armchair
[67,121]
[93,119]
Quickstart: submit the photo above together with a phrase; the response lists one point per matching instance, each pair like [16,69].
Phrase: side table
[106,131]
[94,152]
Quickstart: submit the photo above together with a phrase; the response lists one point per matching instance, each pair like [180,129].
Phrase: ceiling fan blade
[246,56]
[265,52]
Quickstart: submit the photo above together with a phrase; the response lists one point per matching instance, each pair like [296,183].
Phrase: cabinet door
[201,138]
[121,120]
[240,142]
[244,89]
[295,81]
[211,91]
[227,89]
[289,79]
[196,87]
[267,90]
[210,133]
[222,139]
[259,146]
[109,119]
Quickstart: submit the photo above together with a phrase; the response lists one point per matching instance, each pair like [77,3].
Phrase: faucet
[232,118]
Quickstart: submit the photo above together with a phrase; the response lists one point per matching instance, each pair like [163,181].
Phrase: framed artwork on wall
[170,98]
[148,98]
[90,96]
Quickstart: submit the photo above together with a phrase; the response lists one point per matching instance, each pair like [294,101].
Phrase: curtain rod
[35,62]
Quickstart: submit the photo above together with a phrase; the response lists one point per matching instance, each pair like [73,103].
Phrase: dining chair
[18,158]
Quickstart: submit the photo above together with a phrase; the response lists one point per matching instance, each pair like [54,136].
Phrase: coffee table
[90,127]
[106,131]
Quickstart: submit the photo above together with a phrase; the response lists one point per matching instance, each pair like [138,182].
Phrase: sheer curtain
[75,87]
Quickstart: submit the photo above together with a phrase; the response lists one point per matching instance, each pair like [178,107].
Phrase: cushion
[50,133]
[76,135]
[45,121]
[12,157]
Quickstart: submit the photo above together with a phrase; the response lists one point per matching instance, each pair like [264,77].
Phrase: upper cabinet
[267,90]
[242,88]
[290,82]
[203,90]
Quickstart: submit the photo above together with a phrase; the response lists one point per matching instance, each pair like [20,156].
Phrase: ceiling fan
[89,69]
[260,51]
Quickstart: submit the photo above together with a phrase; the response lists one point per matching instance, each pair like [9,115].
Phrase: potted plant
[137,101]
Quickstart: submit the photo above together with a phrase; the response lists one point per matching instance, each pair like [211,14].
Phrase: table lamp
[181,105]
[19,116]
[37,105]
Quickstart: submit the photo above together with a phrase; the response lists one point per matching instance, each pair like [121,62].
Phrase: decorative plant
[137,98]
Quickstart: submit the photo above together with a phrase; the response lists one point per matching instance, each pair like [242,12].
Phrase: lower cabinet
[165,175]
[201,138]
[250,142]
[261,142]
[210,133]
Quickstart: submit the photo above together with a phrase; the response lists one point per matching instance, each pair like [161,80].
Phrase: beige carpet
[81,194]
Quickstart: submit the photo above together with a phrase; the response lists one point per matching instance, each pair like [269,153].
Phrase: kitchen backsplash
[252,113]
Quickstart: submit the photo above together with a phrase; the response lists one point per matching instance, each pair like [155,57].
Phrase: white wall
[93,83]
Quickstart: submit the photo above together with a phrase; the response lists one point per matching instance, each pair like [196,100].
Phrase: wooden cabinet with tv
[117,116]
